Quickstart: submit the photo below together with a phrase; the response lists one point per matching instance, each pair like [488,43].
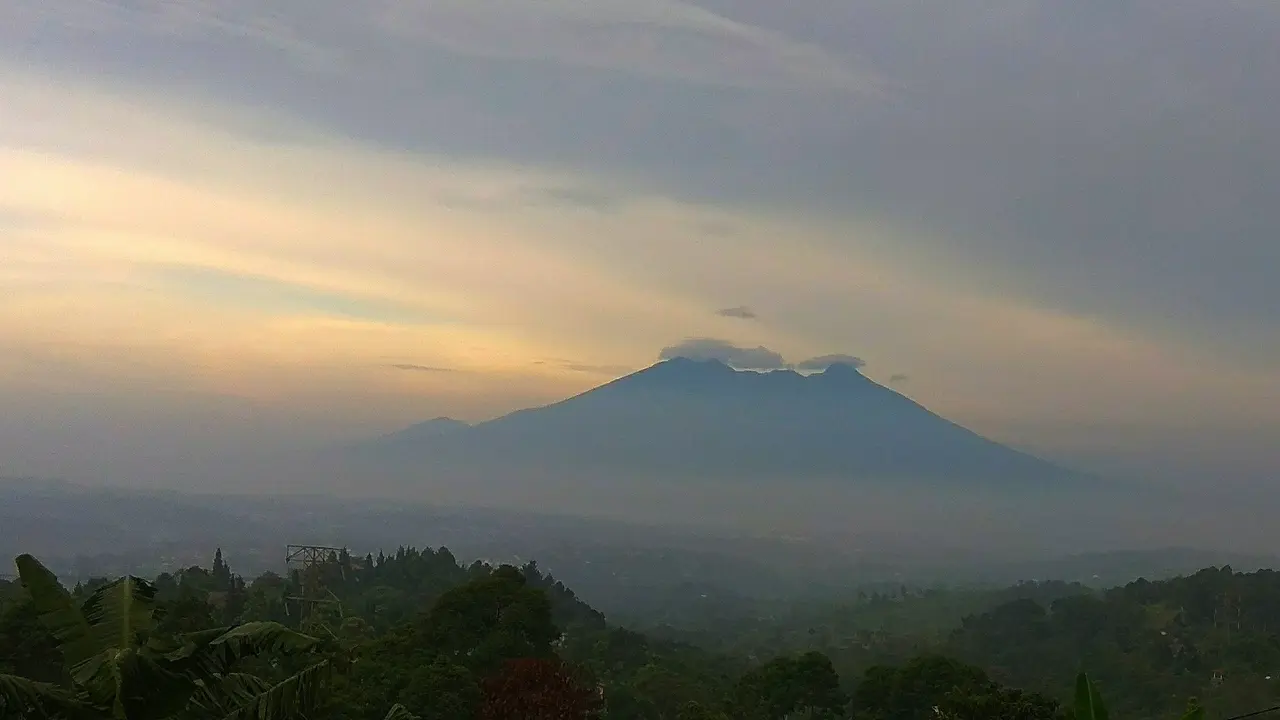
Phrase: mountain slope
[424,431]
[703,419]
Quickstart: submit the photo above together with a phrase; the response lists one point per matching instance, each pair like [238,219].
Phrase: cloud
[609,370]
[1102,258]
[822,362]
[1073,201]
[741,312]
[663,39]
[898,378]
[230,257]
[743,358]
[410,367]
[183,21]
[273,296]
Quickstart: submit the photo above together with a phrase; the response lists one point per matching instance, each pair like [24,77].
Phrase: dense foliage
[416,634]
[1214,635]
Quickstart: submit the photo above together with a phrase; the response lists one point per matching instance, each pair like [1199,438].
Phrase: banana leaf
[294,697]
[20,696]
[113,618]
[399,712]
[1089,705]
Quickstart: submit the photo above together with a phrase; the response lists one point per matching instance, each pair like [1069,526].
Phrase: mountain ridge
[436,427]
[704,419]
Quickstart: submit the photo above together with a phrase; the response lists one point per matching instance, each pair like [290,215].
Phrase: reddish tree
[537,689]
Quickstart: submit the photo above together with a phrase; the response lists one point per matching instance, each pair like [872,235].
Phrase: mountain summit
[701,419]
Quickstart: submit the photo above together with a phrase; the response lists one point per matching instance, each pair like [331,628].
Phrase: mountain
[704,420]
[421,432]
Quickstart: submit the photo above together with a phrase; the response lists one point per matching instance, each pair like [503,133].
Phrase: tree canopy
[417,634]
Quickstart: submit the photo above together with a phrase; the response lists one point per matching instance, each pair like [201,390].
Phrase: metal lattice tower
[312,562]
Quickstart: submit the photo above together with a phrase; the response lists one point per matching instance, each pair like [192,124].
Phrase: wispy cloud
[612,371]
[659,38]
[740,312]
[184,20]
[237,239]
[270,296]
[606,370]
[410,367]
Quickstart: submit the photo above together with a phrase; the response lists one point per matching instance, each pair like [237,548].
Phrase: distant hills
[704,420]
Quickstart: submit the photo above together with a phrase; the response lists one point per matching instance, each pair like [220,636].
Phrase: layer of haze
[242,228]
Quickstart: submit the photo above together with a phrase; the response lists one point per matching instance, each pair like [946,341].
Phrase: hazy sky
[227,223]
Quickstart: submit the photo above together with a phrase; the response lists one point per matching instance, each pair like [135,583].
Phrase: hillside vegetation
[419,634]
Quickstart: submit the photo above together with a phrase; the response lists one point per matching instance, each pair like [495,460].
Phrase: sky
[252,224]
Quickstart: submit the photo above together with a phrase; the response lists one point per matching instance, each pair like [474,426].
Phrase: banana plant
[119,669]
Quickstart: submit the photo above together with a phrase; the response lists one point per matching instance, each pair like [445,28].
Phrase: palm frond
[292,698]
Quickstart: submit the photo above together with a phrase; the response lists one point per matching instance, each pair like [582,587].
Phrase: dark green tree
[952,687]
[492,619]
[788,685]
[221,572]
[442,691]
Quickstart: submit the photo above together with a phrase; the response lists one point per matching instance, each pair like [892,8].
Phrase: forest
[419,634]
